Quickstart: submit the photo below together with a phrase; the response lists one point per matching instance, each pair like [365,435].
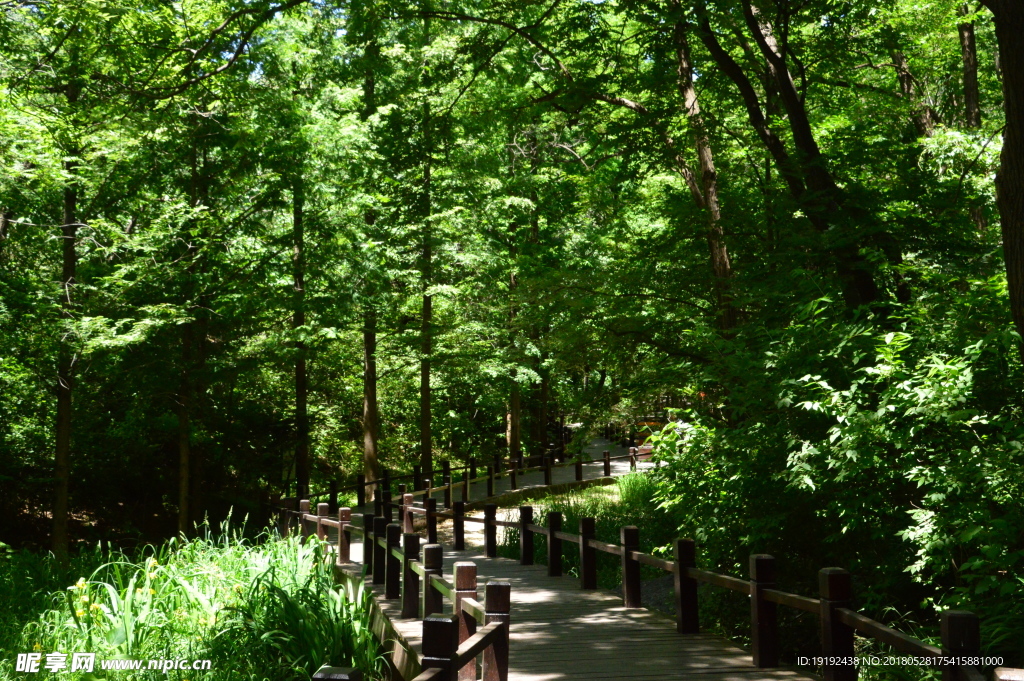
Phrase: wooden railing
[838,622]
[451,645]
[380,490]
[960,630]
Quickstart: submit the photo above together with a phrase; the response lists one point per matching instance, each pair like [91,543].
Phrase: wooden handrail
[724,581]
[473,608]
[838,620]
[792,600]
[898,640]
[477,643]
[445,587]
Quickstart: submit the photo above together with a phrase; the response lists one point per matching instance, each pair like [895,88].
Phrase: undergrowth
[263,609]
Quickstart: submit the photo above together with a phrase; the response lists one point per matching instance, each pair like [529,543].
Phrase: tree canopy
[250,247]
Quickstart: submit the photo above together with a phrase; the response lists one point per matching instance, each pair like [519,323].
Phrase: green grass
[628,502]
[263,609]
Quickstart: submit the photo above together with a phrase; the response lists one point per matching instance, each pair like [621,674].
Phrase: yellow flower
[94,606]
[80,613]
[152,575]
[80,584]
[153,562]
[238,588]
[152,591]
[85,599]
[139,590]
[37,647]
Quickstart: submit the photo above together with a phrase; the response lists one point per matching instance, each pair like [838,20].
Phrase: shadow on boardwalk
[559,631]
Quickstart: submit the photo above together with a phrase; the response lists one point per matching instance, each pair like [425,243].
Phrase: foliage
[267,609]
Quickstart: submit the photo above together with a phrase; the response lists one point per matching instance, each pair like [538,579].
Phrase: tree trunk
[721,268]
[969,52]
[972,99]
[65,363]
[184,431]
[924,117]
[1009,19]
[515,448]
[298,321]
[426,271]
[426,330]
[371,462]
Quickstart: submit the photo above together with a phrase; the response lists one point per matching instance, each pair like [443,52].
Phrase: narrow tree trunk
[515,448]
[185,431]
[299,320]
[426,330]
[969,52]
[1009,19]
[65,364]
[721,267]
[426,271]
[371,463]
[972,99]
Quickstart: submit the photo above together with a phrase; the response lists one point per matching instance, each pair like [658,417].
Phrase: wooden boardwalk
[534,479]
[560,631]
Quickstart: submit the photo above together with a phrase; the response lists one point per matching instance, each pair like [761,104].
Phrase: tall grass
[628,502]
[264,609]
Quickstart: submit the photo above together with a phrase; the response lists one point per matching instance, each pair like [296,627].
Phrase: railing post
[465,484]
[554,544]
[490,481]
[447,490]
[431,506]
[322,511]
[607,463]
[360,490]
[303,528]
[588,554]
[836,638]
[633,451]
[385,480]
[446,468]
[512,474]
[368,542]
[579,468]
[380,530]
[433,564]
[764,622]
[344,540]
[332,493]
[465,587]
[491,530]
[440,641]
[547,471]
[525,536]
[630,536]
[961,637]
[378,500]
[687,613]
[410,578]
[472,467]
[407,503]
[393,572]
[389,510]
[497,604]
[428,487]
[459,525]
[417,478]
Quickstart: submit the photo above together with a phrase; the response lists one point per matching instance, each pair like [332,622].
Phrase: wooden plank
[562,633]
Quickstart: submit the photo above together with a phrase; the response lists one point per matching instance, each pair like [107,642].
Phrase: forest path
[534,480]
[561,632]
